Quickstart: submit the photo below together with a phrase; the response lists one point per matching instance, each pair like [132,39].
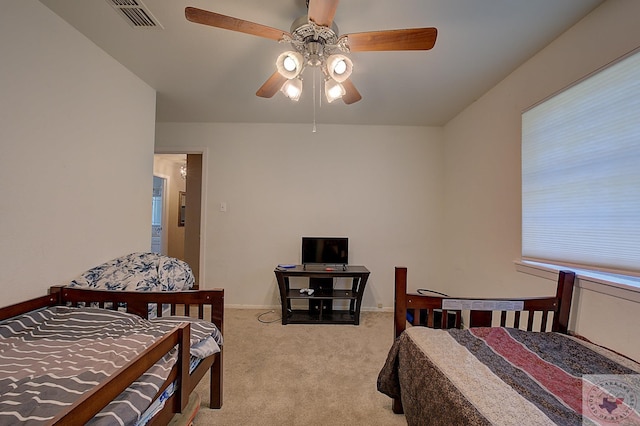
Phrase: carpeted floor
[278,374]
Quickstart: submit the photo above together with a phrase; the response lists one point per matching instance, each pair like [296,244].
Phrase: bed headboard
[482,312]
[205,304]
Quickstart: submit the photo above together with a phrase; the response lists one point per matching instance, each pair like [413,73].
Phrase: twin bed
[78,356]
[502,361]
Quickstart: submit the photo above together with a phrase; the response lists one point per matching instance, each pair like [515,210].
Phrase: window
[581,173]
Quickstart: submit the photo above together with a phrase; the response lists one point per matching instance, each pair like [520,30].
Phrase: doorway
[157,214]
[183,201]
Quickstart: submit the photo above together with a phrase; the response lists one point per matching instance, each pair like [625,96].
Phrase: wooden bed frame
[425,309]
[209,305]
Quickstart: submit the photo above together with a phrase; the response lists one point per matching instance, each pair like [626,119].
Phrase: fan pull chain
[321,83]
[313,130]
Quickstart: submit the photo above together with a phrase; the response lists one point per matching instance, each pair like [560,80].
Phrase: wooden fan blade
[352,95]
[217,20]
[322,11]
[272,85]
[407,39]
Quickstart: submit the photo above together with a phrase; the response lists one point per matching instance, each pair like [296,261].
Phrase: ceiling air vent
[135,13]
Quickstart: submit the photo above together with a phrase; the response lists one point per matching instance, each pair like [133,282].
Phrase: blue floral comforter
[138,272]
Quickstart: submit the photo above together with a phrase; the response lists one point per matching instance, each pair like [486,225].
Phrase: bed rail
[92,402]
[448,312]
[28,305]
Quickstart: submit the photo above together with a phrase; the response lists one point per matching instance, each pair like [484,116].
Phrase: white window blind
[581,172]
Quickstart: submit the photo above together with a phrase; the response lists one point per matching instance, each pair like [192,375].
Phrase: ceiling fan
[315,42]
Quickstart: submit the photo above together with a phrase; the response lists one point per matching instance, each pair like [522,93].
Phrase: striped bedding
[49,357]
[503,376]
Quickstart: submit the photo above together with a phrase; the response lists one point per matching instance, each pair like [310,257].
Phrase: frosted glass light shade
[333,90]
[292,89]
[289,64]
[339,67]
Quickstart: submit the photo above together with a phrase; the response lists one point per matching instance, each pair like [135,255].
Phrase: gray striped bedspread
[49,357]
[505,376]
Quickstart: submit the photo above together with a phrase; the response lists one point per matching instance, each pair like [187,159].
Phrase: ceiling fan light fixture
[292,88]
[289,64]
[333,90]
[339,67]
[314,39]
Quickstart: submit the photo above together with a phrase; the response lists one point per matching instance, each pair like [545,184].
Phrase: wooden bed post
[182,396]
[400,317]
[400,300]
[564,294]
[216,373]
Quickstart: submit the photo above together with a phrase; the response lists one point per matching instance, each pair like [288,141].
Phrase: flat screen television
[325,250]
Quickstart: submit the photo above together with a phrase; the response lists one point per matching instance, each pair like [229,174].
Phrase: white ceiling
[206,74]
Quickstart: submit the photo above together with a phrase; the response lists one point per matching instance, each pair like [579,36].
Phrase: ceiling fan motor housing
[314,41]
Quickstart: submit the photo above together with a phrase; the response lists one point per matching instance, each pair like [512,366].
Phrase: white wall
[482,183]
[379,186]
[76,153]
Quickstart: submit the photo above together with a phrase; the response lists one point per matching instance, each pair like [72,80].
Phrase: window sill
[620,286]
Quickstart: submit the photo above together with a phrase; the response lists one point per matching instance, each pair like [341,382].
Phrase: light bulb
[340,67]
[290,64]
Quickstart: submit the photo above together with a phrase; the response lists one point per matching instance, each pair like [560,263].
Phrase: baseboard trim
[277,308]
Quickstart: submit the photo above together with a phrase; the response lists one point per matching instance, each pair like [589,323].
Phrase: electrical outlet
[379,305]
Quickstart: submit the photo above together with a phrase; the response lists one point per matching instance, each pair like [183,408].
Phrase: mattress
[506,376]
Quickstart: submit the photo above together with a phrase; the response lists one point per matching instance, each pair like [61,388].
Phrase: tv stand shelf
[334,294]
[320,303]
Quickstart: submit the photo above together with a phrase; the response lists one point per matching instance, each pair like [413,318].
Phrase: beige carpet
[278,374]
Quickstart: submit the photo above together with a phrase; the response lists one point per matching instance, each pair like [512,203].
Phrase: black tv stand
[320,303]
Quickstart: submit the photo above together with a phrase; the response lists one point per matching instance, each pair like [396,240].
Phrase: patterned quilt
[138,272]
[503,376]
[49,357]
